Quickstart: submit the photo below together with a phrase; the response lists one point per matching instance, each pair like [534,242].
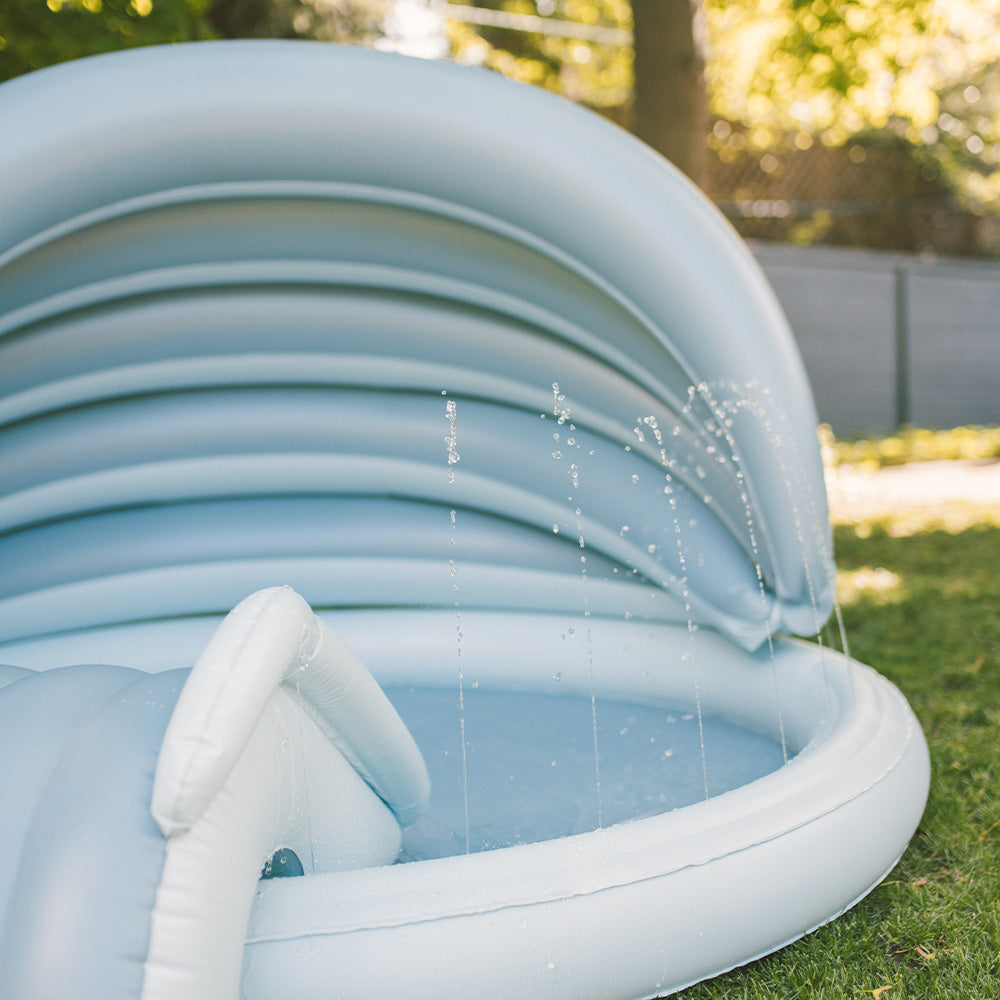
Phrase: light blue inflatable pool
[490,435]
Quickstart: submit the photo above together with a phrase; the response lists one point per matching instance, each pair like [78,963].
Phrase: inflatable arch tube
[208,175]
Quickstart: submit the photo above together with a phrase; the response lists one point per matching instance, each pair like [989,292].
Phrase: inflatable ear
[280,738]
[271,639]
[277,750]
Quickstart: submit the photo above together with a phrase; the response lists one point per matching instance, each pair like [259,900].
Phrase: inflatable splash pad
[411,496]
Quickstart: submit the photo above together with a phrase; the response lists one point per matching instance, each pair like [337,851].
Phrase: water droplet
[622,530]
[557,454]
[650,548]
[555,529]
[635,477]
[557,676]
[571,631]
[451,440]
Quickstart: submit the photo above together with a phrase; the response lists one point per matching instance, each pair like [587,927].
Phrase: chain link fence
[873,192]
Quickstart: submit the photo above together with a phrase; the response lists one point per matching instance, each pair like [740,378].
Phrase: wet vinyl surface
[538,766]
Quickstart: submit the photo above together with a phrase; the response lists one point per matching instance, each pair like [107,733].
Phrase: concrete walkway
[857,495]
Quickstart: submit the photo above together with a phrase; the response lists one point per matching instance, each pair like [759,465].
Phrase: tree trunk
[671,108]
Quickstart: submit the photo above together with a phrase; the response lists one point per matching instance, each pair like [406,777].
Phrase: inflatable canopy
[514,412]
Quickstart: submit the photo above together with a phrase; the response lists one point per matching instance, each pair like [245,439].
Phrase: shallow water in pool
[532,773]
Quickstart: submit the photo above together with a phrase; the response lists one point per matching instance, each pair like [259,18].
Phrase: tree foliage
[37,33]
[357,21]
[927,71]
[794,72]
[597,74]
[779,72]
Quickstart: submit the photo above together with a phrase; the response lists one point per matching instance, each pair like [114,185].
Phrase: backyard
[201,243]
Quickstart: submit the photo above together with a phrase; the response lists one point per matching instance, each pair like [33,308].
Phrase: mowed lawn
[920,593]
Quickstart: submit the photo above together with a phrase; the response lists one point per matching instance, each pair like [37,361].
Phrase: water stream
[534,766]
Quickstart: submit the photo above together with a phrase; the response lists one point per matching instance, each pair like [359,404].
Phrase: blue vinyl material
[500,394]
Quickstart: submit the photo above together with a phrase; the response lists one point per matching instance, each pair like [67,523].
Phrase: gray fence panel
[954,346]
[889,338]
[843,315]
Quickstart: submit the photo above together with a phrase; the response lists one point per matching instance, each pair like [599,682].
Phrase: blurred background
[855,143]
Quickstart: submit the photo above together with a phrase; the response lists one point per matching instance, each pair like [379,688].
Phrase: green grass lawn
[912,444]
[921,604]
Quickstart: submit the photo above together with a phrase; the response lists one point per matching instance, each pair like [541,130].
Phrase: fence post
[902,335]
